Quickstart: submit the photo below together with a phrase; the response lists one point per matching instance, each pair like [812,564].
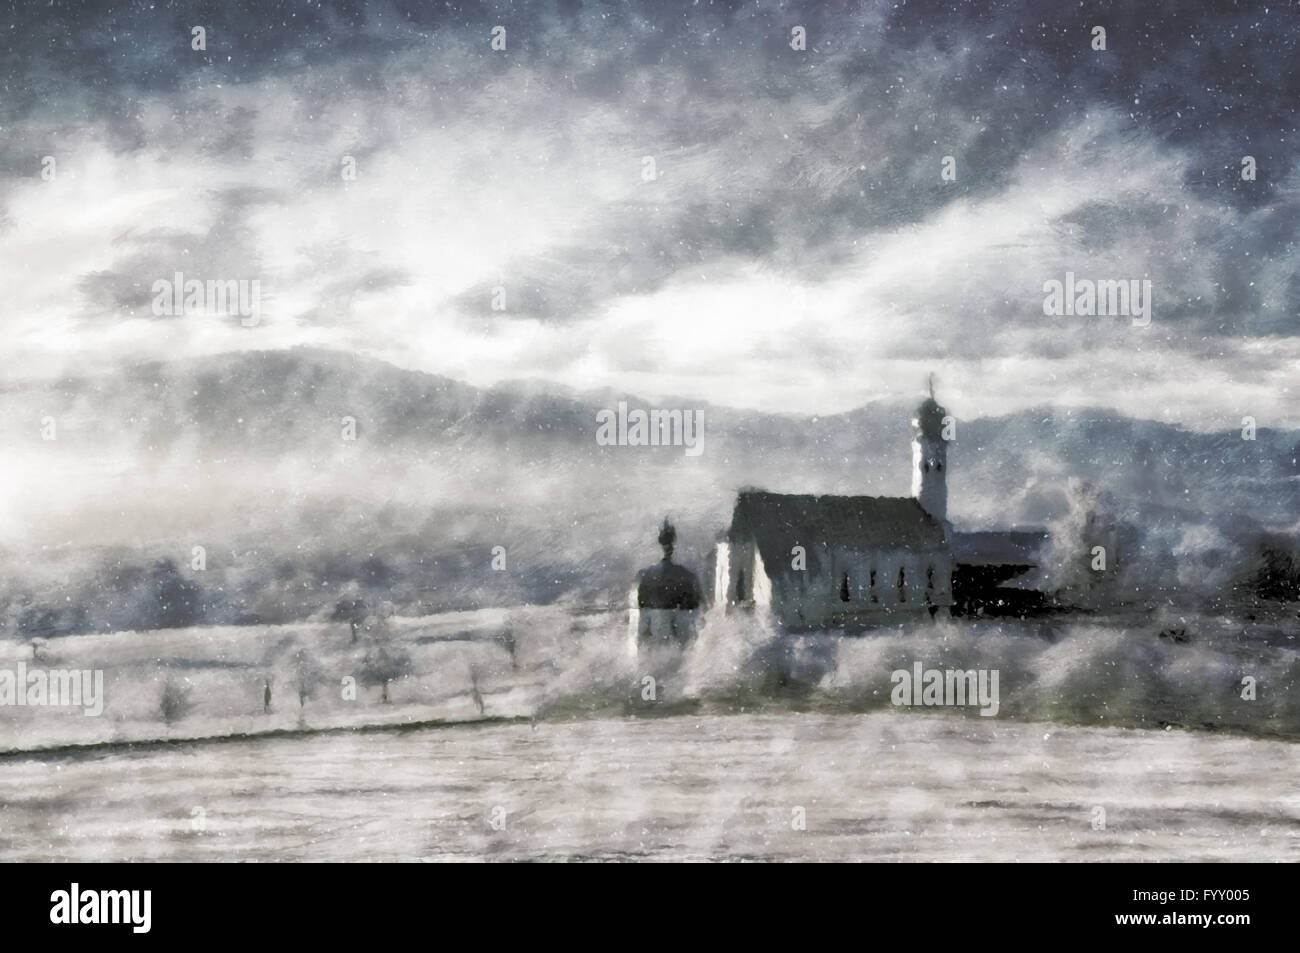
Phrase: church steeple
[668,585]
[930,457]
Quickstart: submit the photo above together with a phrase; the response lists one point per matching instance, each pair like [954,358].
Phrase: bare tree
[474,693]
[175,703]
[508,641]
[384,663]
[352,611]
[308,675]
[1092,556]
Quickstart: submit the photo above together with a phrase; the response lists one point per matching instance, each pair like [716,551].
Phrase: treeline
[166,594]
[1274,570]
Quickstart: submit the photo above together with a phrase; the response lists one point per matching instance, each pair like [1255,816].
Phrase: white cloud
[458,189]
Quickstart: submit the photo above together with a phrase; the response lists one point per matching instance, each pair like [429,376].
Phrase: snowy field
[525,733]
[877,786]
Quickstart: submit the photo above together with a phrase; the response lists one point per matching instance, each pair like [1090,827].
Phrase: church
[813,562]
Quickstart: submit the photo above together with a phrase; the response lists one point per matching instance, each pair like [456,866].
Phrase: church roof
[777,522]
[999,547]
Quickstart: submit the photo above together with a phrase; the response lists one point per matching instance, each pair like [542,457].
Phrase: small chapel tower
[665,600]
[930,457]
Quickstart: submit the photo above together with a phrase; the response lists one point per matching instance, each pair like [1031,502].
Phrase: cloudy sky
[795,250]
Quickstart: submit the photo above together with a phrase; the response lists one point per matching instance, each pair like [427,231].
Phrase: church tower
[930,458]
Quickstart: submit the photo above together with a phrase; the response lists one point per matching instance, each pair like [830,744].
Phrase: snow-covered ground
[875,786]
[531,732]
[223,673]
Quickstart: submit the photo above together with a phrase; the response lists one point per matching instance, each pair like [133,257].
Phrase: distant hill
[244,455]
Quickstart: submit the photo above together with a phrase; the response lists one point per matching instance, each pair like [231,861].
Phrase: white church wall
[762,583]
[811,598]
[930,488]
[917,454]
[722,580]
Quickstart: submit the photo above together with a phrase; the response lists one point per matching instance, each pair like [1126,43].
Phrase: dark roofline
[776,522]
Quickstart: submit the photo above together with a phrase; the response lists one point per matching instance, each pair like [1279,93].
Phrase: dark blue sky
[794,249]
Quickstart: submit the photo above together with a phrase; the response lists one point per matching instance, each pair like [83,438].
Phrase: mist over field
[561,662]
[538,713]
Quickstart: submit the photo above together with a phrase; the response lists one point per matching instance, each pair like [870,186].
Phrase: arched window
[926,466]
[938,466]
[741,595]
[902,585]
[844,588]
[872,585]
